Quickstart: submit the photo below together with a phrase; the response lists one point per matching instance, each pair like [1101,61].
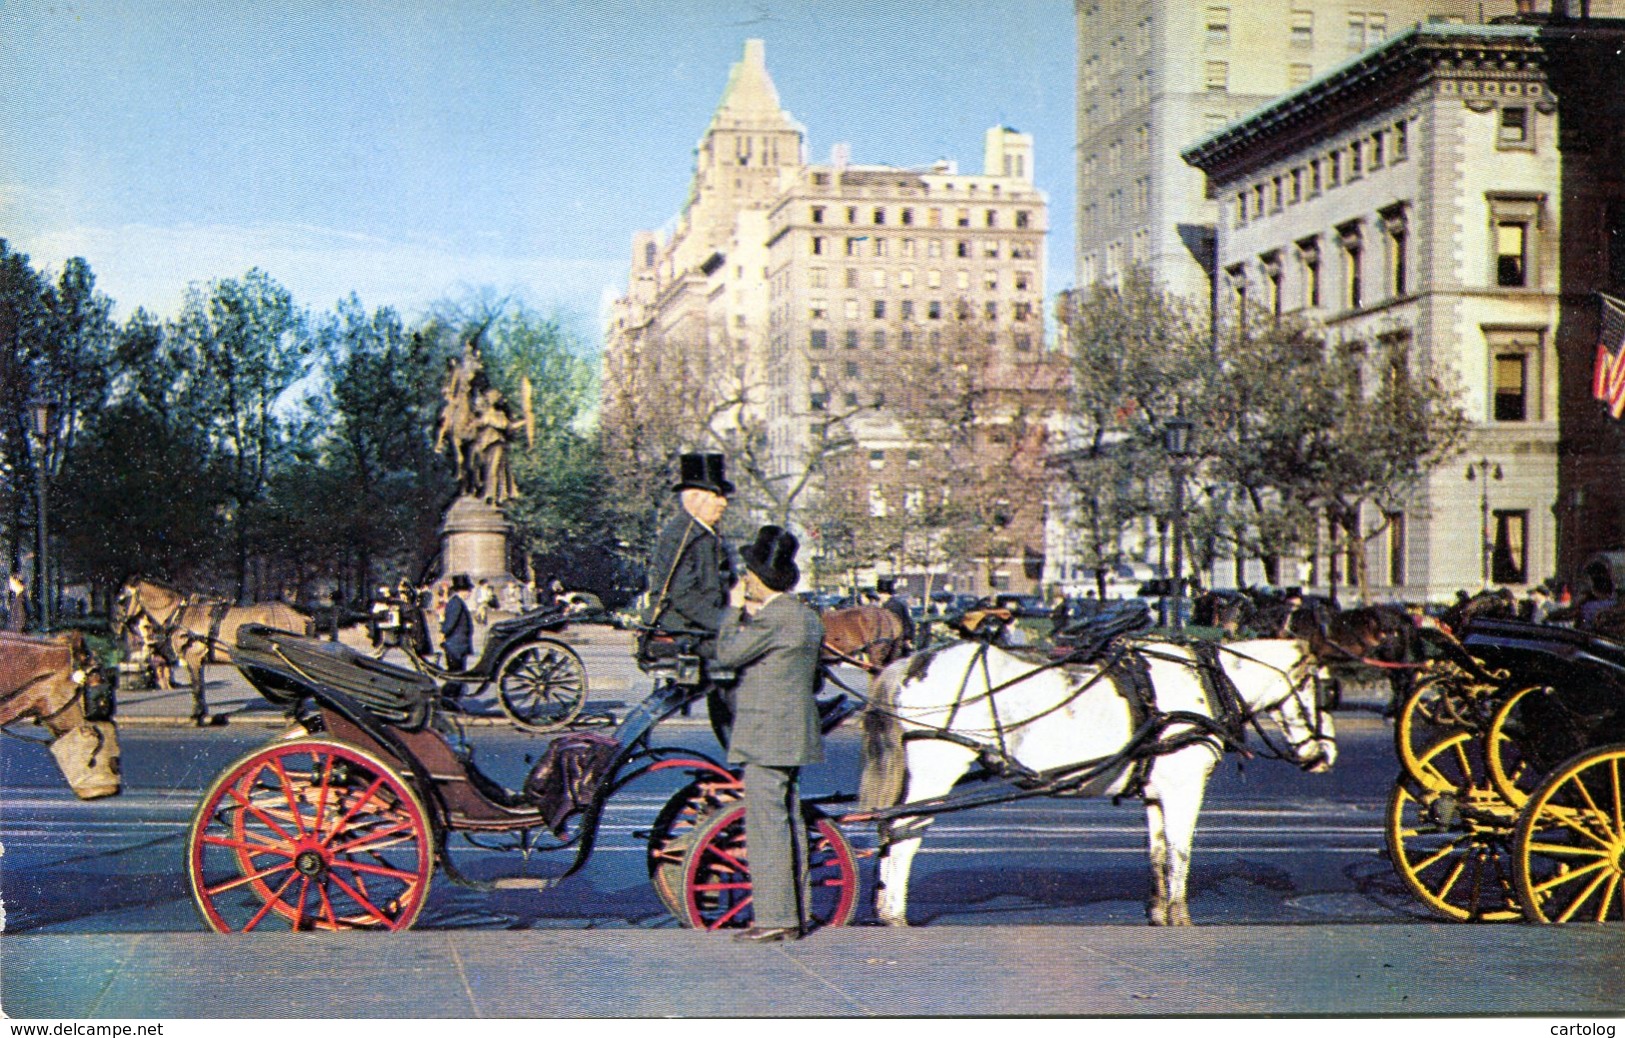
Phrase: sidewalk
[1342,970]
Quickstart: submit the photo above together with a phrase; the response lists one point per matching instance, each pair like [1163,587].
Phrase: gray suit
[775,731]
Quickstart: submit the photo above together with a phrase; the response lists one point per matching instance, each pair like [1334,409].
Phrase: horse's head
[67,694]
[1276,677]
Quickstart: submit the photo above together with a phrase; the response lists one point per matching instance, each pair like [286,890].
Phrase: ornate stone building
[1452,193]
[1155,76]
[806,298]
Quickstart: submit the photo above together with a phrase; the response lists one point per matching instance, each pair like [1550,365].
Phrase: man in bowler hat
[692,569]
[772,638]
[457,630]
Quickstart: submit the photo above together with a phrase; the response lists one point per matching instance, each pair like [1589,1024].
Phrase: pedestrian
[511,600]
[897,603]
[485,596]
[1538,605]
[457,632]
[691,572]
[773,639]
[17,606]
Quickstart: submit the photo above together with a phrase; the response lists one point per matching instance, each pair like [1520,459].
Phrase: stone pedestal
[474,540]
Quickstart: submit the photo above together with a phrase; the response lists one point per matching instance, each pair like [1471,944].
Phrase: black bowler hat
[460,582]
[703,472]
[773,557]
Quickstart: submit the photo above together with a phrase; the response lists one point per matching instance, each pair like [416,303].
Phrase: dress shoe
[762,935]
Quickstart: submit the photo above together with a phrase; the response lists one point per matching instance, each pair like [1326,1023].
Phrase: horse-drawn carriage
[1509,799]
[342,822]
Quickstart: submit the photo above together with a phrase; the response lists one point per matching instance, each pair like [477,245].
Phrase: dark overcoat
[689,576]
[457,628]
[776,654]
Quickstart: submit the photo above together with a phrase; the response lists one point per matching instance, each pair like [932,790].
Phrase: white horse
[933,716]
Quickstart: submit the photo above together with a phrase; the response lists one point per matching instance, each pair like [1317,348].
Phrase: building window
[819,401]
[962,249]
[1353,254]
[1275,194]
[853,245]
[962,218]
[1514,127]
[1024,311]
[1024,343]
[877,340]
[1270,263]
[851,369]
[1237,276]
[906,339]
[818,339]
[818,246]
[880,216]
[851,399]
[1377,140]
[1509,559]
[933,309]
[1396,232]
[1515,373]
[816,278]
[907,217]
[817,214]
[1511,253]
[1218,26]
[1511,387]
[1218,76]
[1396,549]
[990,310]
[880,247]
[1309,253]
[1401,141]
[908,309]
[819,311]
[1295,192]
[852,278]
[1314,178]
[1356,154]
[851,338]
[1334,169]
[880,309]
[1303,29]
[1298,73]
[851,311]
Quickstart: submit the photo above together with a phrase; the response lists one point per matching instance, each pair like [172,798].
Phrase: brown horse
[864,636]
[44,680]
[198,630]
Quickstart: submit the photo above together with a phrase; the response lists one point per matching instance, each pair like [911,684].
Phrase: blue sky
[407,151]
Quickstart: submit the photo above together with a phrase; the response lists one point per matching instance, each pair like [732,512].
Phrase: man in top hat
[692,569]
[896,603]
[773,638]
[457,630]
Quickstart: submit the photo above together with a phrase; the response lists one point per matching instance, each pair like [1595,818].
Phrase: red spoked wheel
[309,834]
[716,873]
[675,827]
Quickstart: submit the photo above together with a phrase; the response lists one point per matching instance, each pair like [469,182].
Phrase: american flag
[1608,378]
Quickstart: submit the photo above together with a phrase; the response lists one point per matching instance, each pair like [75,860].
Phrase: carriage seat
[287,667]
[1086,640]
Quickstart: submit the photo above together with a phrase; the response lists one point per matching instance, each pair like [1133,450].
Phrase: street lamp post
[42,570]
[1482,472]
[1176,439]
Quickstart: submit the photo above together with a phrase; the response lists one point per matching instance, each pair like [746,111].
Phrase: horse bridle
[1298,686]
[138,608]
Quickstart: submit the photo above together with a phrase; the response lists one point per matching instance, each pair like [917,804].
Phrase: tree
[1348,429]
[247,346]
[1140,357]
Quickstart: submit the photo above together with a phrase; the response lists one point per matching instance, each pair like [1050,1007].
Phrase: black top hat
[886,585]
[773,557]
[460,582]
[703,472]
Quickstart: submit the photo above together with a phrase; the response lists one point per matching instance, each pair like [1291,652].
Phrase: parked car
[1022,605]
[822,600]
[950,603]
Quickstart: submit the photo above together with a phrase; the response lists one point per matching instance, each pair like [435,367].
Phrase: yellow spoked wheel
[1442,703]
[1513,777]
[1571,841]
[1449,834]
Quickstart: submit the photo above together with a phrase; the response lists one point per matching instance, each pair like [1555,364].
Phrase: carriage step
[525,883]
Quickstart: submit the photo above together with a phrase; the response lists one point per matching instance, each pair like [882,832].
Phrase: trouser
[776,842]
[455,662]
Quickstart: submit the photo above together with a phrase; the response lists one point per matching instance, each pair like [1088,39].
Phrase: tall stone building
[1156,76]
[801,301]
[1453,195]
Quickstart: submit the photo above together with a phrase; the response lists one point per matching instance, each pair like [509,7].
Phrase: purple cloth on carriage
[567,777]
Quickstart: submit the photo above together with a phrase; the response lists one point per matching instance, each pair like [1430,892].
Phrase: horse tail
[885,768]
